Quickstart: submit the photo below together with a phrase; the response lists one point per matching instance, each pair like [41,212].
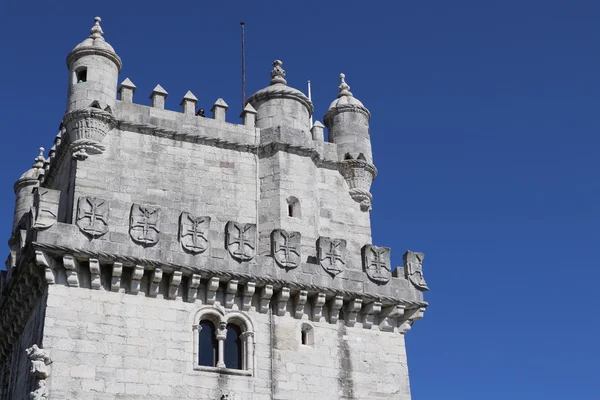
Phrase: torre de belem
[160,254]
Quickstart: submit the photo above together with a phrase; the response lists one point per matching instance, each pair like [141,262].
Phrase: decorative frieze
[286,248]
[193,233]
[241,240]
[376,263]
[332,254]
[144,224]
[92,216]
[413,268]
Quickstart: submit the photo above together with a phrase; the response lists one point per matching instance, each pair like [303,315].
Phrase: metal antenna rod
[243,68]
[310,98]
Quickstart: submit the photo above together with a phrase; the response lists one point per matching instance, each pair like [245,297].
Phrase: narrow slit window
[82,75]
[304,338]
[293,207]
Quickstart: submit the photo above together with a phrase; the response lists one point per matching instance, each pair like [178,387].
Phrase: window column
[221,336]
[248,351]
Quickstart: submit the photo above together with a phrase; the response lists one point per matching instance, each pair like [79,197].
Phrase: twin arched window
[224,343]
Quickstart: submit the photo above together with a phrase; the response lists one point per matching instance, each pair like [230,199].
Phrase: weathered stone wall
[20,382]
[108,345]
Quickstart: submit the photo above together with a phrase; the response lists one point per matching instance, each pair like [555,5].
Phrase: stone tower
[167,255]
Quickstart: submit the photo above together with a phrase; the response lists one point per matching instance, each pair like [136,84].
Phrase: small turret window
[307,335]
[293,207]
[81,75]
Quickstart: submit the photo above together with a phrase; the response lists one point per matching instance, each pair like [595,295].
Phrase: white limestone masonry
[144,226]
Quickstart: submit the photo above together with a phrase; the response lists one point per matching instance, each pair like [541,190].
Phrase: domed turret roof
[34,173]
[279,88]
[345,96]
[95,43]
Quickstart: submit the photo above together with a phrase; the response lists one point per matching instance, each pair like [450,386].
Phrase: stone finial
[126,91]
[249,116]
[188,103]
[96,32]
[278,73]
[219,109]
[317,131]
[158,96]
[344,87]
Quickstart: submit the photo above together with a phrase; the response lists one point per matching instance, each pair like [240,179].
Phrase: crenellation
[158,97]
[155,235]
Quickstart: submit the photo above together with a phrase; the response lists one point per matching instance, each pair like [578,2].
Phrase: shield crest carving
[240,240]
[193,232]
[286,248]
[376,263]
[332,254]
[92,216]
[45,207]
[413,267]
[144,224]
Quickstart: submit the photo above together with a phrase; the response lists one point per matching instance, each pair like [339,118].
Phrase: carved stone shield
[413,267]
[240,240]
[332,254]
[144,224]
[92,216]
[45,207]
[376,263]
[193,232]
[286,248]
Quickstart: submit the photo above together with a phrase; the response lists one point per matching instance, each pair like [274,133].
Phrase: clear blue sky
[485,131]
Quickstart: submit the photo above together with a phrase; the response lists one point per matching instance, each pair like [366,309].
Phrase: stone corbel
[155,280]
[115,282]
[72,267]
[335,305]
[409,317]
[318,303]
[369,312]
[94,273]
[352,309]
[232,287]
[282,300]
[265,298]
[300,303]
[136,278]
[389,315]
[43,260]
[249,290]
[211,290]
[174,284]
[193,289]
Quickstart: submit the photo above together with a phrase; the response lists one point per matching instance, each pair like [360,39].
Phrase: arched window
[207,344]
[233,347]
[224,342]
[293,207]
[307,335]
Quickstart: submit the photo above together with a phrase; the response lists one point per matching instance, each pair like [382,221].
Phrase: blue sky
[484,130]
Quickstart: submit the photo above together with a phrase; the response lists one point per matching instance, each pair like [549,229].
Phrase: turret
[93,73]
[281,105]
[24,189]
[347,121]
